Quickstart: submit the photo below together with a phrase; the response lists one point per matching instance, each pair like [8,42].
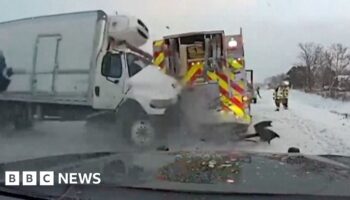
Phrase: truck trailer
[76,64]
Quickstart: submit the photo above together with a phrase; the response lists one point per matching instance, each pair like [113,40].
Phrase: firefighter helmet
[285,83]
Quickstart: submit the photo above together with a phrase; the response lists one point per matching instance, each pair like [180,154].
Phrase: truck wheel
[142,132]
[137,127]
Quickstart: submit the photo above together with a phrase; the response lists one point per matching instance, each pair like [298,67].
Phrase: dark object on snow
[265,135]
[263,132]
[293,150]
[163,148]
[262,125]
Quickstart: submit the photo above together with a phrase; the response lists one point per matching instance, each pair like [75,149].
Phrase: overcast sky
[272,28]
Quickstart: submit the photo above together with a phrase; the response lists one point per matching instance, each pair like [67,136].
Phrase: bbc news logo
[47,178]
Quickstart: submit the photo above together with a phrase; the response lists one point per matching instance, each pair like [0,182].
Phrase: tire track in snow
[327,142]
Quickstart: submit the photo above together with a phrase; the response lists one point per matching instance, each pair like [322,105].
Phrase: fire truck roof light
[232,43]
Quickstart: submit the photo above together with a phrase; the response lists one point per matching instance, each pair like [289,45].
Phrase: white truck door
[110,81]
[45,63]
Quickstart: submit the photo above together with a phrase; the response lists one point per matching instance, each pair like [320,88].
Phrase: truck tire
[138,129]
[23,116]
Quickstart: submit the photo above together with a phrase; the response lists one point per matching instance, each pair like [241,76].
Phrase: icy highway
[313,124]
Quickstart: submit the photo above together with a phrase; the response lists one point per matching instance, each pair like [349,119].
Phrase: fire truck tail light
[245,98]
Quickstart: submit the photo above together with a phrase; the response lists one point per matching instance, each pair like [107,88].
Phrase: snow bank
[317,101]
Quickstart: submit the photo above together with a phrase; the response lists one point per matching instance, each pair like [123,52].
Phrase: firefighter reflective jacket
[285,92]
[281,93]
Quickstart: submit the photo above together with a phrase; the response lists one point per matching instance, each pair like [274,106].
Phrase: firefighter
[2,61]
[258,92]
[281,95]
[5,73]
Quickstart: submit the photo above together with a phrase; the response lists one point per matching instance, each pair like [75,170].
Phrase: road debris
[210,169]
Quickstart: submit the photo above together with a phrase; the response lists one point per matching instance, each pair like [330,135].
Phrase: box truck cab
[73,65]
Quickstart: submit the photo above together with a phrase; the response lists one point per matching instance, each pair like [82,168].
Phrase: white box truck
[69,65]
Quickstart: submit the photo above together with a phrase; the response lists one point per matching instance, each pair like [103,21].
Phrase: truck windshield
[135,63]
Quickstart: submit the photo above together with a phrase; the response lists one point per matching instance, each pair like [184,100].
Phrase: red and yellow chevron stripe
[159,54]
[231,102]
[193,71]
[231,91]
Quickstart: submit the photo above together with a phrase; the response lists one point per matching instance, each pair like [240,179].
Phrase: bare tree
[340,58]
[326,74]
[311,57]
[276,80]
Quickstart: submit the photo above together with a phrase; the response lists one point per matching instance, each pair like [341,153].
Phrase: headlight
[161,103]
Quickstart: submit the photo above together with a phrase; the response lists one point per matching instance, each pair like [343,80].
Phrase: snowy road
[310,124]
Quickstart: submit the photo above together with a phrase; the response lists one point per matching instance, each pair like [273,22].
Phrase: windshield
[135,63]
[224,96]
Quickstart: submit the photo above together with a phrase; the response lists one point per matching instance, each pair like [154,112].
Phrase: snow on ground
[319,102]
[309,124]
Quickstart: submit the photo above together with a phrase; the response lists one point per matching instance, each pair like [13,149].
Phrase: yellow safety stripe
[241,84]
[238,97]
[190,73]
[221,82]
[232,76]
[226,101]
[235,64]
[158,43]
[247,118]
[160,58]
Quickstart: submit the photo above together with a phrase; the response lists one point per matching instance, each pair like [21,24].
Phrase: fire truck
[211,67]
